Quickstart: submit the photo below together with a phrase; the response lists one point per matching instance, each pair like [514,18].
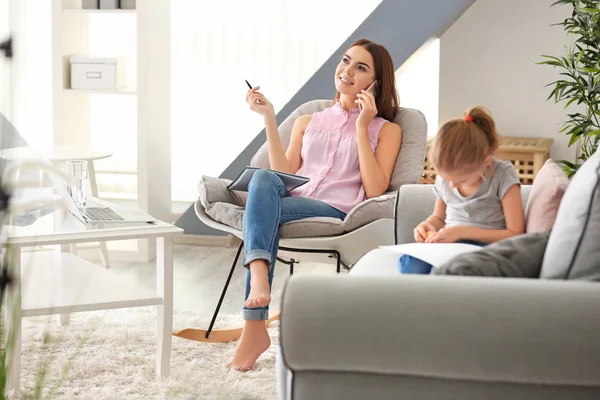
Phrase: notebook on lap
[290,181]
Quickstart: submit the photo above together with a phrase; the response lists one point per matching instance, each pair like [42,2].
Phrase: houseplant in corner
[579,81]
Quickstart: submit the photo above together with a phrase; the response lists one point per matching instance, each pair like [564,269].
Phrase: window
[5,87]
[216,45]
[31,68]
[113,117]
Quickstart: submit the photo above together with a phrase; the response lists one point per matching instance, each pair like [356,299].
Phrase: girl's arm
[376,167]
[515,221]
[434,223]
[438,218]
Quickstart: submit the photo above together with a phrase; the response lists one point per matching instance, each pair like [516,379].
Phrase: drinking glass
[77,171]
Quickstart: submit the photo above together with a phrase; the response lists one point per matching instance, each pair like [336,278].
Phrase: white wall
[489,56]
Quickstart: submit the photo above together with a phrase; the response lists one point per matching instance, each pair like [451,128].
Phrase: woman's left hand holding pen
[259,103]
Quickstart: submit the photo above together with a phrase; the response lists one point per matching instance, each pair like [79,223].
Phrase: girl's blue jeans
[411,265]
[270,205]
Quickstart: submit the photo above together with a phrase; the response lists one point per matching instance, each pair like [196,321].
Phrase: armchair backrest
[409,164]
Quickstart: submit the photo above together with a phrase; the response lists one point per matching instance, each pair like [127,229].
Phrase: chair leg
[290,263]
[214,317]
[338,259]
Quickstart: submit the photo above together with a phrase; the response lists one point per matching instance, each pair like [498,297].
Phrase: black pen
[248,83]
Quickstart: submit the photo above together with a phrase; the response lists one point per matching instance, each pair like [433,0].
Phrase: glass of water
[77,171]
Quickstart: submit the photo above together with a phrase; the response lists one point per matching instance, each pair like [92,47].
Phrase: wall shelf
[120,91]
[95,11]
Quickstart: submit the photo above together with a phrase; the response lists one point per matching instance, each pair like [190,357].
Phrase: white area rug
[113,356]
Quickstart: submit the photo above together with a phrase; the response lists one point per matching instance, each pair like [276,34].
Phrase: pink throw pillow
[548,188]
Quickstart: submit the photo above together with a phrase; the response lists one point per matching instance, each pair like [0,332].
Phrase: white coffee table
[57,282]
[60,154]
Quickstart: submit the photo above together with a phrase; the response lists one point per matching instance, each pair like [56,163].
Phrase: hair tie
[468,118]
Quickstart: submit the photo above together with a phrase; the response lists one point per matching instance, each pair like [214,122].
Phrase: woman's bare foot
[255,340]
[260,291]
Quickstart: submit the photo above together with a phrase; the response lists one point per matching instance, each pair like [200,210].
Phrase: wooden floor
[199,274]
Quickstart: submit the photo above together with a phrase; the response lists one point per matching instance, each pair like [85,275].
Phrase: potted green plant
[579,81]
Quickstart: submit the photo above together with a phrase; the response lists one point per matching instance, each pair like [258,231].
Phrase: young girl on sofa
[478,196]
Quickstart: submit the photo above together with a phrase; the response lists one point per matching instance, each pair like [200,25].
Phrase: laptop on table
[99,213]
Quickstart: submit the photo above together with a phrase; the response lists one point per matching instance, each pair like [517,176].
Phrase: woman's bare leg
[260,290]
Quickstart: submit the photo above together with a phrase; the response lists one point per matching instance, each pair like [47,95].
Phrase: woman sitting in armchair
[348,151]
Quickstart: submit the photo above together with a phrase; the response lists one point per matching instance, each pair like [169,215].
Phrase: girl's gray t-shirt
[484,208]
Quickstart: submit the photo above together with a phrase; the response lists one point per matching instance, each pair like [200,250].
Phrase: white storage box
[89,73]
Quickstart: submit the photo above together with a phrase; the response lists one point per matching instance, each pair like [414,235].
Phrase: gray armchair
[366,226]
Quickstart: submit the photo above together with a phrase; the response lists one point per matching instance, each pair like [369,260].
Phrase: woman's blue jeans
[411,265]
[269,206]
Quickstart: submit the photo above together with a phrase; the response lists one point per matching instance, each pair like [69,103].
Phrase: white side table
[57,282]
[63,153]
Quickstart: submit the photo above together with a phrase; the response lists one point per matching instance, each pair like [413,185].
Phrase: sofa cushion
[227,207]
[409,163]
[518,257]
[548,188]
[574,246]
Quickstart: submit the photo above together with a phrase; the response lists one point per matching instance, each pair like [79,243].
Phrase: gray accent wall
[402,26]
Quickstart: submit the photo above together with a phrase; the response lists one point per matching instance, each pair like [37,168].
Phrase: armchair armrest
[213,190]
[466,328]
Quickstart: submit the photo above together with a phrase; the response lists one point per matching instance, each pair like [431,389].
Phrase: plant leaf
[590,10]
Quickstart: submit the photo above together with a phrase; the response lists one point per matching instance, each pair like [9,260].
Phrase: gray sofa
[374,334]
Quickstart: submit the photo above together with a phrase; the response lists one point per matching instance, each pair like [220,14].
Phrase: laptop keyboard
[100,214]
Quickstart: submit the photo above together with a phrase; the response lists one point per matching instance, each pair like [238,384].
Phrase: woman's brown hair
[464,143]
[387,100]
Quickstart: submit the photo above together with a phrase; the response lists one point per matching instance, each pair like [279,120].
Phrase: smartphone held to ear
[371,89]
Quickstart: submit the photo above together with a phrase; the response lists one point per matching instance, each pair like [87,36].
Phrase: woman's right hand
[422,231]
[259,103]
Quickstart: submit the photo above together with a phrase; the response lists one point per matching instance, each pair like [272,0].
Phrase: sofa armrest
[413,205]
[468,328]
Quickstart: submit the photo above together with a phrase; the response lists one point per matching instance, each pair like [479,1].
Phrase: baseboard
[203,240]
[233,241]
